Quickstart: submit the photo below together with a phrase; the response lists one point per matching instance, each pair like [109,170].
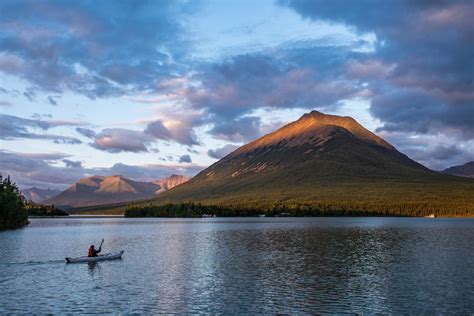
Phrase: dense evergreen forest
[294,209]
[14,209]
[13,213]
[43,210]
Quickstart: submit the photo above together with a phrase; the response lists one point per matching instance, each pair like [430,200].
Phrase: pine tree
[13,213]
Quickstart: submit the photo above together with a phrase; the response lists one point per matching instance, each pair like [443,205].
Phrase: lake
[241,265]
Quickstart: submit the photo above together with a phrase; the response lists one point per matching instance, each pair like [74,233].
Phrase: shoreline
[81,216]
[211,217]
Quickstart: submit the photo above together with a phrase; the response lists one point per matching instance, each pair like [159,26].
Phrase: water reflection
[242,266]
[92,266]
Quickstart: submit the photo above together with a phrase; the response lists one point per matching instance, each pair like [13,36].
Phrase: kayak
[106,256]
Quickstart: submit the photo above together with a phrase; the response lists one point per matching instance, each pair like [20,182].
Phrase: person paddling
[95,252]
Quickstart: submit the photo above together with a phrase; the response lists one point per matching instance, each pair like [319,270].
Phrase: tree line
[13,213]
[14,209]
[293,209]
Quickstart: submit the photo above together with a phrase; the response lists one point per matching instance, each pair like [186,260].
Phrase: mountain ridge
[38,195]
[324,159]
[465,170]
[100,190]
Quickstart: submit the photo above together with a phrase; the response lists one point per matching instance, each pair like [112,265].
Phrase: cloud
[51,100]
[72,164]
[418,111]
[176,126]
[219,153]
[86,132]
[13,127]
[420,72]
[66,140]
[95,49]
[436,151]
[237,130]
[36,169]
[39,116]
[185,158]
[245,82]
[30,95]
[441,152]
[5,104]
[116,140]
[230,90]
[40,169]
[157,129]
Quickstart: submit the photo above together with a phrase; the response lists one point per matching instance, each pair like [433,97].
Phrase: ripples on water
[241,265]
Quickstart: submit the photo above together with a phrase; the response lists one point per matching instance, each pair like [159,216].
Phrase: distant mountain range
[98,190]
[466,170]
[38,195]
[325,160]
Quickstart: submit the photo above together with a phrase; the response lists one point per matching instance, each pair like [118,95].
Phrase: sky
[150,88]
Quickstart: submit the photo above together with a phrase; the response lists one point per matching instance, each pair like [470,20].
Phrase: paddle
[100,247]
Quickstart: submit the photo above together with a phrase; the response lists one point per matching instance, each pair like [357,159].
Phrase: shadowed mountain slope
[38,195]
[466,170]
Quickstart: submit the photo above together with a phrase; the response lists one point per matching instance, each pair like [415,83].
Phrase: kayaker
[93,252]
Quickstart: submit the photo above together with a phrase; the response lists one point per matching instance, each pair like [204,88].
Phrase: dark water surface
[241,265]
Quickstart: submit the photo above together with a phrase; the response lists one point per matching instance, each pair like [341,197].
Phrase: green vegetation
[43,210]
[108,209]
[436,194]
[14,210]
[200,210]
[314,168]
[292,209]
[13,213]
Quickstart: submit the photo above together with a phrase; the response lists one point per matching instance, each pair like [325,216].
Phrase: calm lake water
[241,265]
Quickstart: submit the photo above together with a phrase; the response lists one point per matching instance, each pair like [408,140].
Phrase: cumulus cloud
[176,126]
[219,153]
[238,130]
[427,78]
[246,82]
[96,49]
[436,151]
[418,111]
[116,140]
[158,130]
[230,90]
[185,158]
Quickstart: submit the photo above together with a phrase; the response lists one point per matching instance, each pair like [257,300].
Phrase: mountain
[466,170]
[170,182]
[99,190]
[38,195]
[324,160]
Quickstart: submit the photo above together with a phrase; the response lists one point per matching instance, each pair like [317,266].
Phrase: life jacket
[91,252]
